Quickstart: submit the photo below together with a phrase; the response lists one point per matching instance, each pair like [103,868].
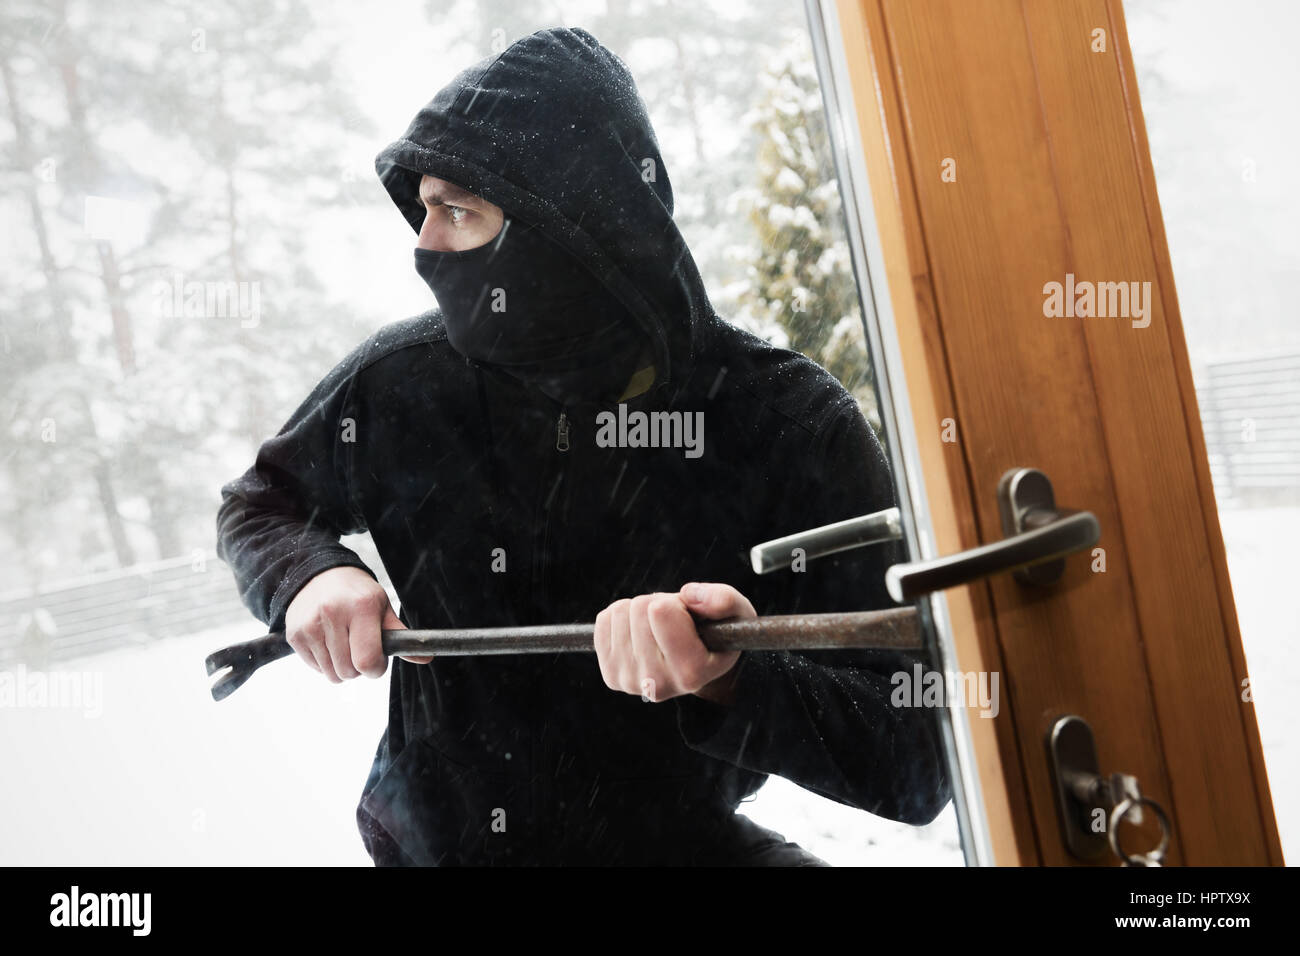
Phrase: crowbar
[889,629]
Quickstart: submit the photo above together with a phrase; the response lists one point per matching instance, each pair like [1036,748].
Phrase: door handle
[1037,537]
[828,539]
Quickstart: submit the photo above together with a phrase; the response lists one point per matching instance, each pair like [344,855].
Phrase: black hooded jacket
[456,468]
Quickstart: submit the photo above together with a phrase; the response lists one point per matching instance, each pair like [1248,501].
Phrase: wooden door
[1002,148]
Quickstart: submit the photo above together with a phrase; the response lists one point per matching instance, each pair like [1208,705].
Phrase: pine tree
[802,291]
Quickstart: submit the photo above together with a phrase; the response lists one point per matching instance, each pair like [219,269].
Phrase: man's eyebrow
[447,192]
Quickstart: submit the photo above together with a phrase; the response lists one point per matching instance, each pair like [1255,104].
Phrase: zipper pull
[562,433]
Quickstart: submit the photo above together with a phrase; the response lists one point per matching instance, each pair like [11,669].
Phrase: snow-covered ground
[1261,562]
[271,776]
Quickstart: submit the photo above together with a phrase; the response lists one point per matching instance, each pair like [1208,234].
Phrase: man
[477,444]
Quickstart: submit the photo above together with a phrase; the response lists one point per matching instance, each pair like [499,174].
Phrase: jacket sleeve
[279,523]
[824,719]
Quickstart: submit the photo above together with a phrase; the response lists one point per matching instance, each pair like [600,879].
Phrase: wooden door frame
[1187,650]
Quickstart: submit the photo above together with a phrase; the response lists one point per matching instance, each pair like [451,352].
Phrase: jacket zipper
[562,432]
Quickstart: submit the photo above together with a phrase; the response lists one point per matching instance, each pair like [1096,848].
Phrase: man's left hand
[648,645]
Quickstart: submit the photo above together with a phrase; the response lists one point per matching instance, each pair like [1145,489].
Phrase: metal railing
[122,608]
[1250,411]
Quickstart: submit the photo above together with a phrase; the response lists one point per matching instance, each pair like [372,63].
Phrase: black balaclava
[524,304]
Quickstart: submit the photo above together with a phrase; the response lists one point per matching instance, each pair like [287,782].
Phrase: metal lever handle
[1038,536]
[1059,533]
[875,528]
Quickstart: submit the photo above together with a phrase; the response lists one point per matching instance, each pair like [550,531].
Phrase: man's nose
[428,238]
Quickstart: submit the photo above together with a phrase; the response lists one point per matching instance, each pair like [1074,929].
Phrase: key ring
[1117,815]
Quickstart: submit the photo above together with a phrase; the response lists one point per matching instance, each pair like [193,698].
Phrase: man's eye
[456,214]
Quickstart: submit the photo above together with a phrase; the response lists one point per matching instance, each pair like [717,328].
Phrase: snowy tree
[217,125]
[802,291]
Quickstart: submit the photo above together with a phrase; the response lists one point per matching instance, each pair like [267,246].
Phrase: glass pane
[201,246]
[1216,95]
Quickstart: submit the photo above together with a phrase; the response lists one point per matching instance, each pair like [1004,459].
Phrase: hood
[553,131]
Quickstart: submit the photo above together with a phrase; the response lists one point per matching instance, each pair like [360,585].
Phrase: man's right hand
[334,624]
